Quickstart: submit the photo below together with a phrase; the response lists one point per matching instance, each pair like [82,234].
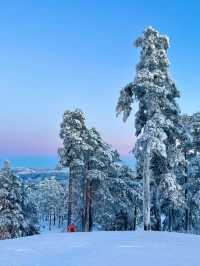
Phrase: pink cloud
[123,144]
[23,144]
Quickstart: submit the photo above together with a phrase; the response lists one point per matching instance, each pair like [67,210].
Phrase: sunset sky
[58,55]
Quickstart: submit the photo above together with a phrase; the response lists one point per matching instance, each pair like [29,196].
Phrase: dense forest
[101,193]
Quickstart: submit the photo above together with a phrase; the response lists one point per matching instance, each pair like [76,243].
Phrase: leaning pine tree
[156,123]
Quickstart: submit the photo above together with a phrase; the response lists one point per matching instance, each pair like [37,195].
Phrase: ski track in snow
[102,249]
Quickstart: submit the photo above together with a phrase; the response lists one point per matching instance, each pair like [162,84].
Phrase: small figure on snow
[71,228]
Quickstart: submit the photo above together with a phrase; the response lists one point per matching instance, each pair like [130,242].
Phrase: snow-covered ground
[102,249]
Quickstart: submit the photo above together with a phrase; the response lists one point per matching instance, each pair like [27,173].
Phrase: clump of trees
[28,208]
[190,178]
[50,196]
[16,210]
[102,194]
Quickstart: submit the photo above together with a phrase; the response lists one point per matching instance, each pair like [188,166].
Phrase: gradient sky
[58,55]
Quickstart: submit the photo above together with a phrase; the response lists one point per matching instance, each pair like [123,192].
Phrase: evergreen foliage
[157,123]
[94,175]
[15,217]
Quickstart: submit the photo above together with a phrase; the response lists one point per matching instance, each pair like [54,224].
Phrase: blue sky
[57,55]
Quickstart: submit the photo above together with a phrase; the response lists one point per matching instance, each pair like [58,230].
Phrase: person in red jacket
[71,228]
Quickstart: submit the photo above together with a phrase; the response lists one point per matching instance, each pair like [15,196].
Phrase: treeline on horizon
[101,193]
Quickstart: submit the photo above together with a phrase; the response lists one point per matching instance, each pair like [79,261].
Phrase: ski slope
[102,249]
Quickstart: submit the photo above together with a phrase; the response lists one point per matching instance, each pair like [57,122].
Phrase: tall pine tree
[156,121]
[71,155]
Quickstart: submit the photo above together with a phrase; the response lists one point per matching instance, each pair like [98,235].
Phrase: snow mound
[102,249]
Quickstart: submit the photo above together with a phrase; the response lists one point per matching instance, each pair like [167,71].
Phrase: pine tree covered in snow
[126,195]
[193,194]
[98,162]
[195,131]
[157,124]
[12,220]
[72,155]
[191,180]
[30,211]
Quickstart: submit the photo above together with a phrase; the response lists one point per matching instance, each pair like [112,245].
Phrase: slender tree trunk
[54,218]
[85,199]
[170,225]
[88,206]
[50,221]
[59,219]
[135,219]
[125,222]
[90,210]
[186,209]
[157,207]
[190,219]
[146,192]
[86,220]
[187,218]
[69,214]
[83,218]
[85,206]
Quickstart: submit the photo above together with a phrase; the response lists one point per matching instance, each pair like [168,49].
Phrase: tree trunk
[186,209]
[50,221]
[146,192]
[69,214]
[135,219]
[85,206]
[186,220]
[88,206]
[59,219]
[78,195]
[158,212]
[90,210]
[54,218]
[190,219]
[83,218]
[125,222]
[170,225]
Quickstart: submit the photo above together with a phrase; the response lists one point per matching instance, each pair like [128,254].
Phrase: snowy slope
[102,249]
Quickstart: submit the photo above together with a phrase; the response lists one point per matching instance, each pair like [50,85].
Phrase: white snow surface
[102,249]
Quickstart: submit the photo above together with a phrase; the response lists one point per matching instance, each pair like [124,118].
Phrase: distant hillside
[36,174]
[129,160]
[31,174]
